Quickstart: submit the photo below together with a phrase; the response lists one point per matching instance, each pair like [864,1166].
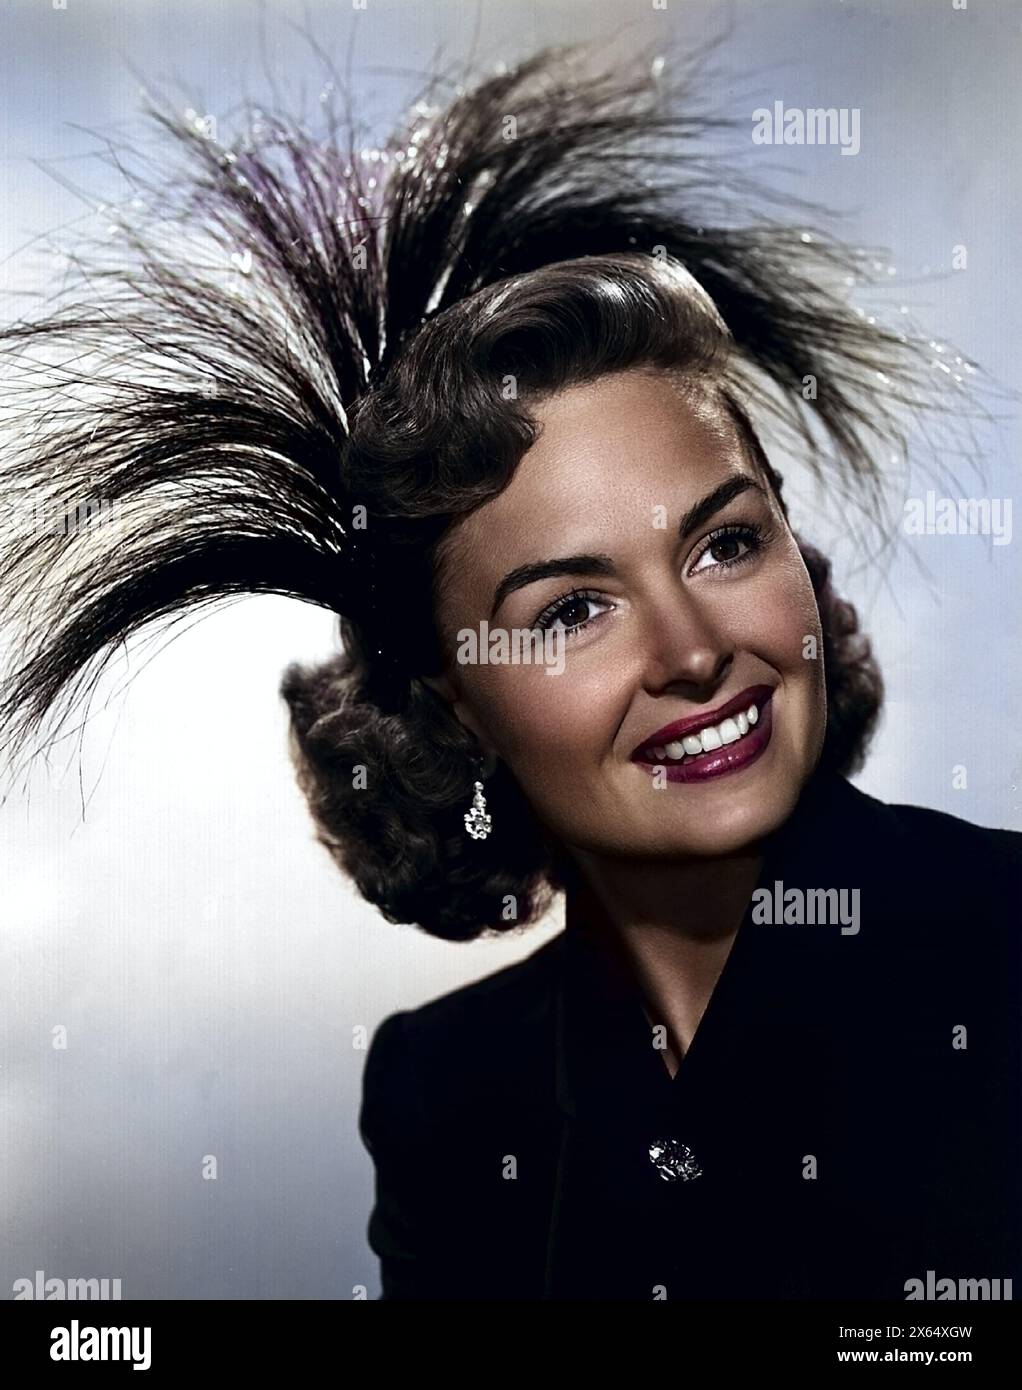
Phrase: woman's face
[637,530]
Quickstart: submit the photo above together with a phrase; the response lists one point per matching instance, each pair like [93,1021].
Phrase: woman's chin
[725,814]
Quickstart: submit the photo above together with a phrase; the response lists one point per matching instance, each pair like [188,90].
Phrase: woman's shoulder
[937,832]
[836,806]
[479,1032]
[942,879]
[518,990]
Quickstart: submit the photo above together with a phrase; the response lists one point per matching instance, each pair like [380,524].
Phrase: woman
[498,381]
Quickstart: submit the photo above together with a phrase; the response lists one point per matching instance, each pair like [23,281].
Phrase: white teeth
[709,739]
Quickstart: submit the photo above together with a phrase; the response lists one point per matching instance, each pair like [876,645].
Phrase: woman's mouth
[711,745]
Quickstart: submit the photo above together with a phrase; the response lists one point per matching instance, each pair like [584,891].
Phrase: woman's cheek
[785,617]
[540,722]
[792,643]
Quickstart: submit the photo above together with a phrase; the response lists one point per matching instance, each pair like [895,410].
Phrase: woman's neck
[670,926]
[699,899]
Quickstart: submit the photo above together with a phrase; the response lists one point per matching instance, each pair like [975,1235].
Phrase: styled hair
[334,354]
[443,432]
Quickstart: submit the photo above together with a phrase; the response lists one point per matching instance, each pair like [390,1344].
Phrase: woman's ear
[448,690]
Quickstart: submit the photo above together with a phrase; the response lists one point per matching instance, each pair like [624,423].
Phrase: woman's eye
[571,613]
[727,548]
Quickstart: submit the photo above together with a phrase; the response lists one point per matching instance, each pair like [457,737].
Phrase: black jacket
[846,1119]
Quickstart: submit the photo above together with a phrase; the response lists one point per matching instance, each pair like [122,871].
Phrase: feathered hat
[194,387]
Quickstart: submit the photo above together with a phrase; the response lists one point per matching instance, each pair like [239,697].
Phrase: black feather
[217,421]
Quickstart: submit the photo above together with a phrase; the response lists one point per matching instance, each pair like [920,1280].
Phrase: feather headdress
[194,388]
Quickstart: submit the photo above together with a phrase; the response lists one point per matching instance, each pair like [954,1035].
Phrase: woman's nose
[684,649]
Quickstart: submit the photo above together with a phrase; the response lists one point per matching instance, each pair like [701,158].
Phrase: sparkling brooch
[674,1160]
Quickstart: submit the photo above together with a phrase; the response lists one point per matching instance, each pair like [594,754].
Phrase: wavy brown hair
[386,766]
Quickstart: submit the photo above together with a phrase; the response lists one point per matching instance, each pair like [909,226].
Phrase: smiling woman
[698,614]
[525,390]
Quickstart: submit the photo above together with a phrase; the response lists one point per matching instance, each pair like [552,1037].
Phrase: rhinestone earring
[478,821]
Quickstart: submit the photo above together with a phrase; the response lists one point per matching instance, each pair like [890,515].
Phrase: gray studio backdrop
[164,901]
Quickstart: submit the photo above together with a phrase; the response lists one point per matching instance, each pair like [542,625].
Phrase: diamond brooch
[674,1160]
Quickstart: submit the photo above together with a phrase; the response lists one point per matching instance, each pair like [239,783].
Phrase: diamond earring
[478,821]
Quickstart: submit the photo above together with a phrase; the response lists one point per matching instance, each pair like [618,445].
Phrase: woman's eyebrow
[697,515]
[547,569]
[701,512]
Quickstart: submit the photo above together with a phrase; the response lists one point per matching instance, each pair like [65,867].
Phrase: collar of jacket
[837,837]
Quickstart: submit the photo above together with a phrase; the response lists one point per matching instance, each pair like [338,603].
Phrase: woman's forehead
[608,452]
[634,420]
[611,436]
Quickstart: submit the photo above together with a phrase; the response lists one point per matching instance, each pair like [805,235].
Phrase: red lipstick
[755,695]
[717,762]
